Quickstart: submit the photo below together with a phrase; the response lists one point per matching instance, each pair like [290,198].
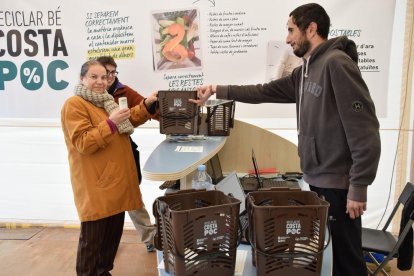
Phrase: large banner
[171,45]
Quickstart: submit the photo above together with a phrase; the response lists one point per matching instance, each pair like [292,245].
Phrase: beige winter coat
[102,168]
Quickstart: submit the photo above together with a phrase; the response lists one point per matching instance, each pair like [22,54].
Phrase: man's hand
[203,93]
[355,208]
[120,115]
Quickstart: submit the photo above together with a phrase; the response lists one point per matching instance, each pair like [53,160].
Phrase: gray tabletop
[175,160]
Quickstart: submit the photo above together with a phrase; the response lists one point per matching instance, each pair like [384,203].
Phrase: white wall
[34,174]
[35,183]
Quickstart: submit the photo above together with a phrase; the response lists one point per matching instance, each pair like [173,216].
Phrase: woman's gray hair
[86,65]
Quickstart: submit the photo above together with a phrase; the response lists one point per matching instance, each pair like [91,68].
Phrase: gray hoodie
[338,131]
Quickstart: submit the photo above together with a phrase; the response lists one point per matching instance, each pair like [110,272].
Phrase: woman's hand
[120,115]
[151,99]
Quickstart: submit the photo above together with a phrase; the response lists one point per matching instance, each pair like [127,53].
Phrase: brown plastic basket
[197,232]
[177,114]
[220,118]
[287,231]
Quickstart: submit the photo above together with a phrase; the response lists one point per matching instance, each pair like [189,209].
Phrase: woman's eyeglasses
[112,73]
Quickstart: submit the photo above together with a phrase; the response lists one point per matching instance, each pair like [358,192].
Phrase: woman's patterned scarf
[106,101]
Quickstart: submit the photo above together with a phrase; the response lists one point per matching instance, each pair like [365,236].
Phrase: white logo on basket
[178,102]
[210,228]
[293,227]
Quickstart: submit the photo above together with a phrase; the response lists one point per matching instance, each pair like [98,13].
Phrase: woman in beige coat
[103,173]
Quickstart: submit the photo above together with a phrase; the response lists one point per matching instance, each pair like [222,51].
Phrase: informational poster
[172,45]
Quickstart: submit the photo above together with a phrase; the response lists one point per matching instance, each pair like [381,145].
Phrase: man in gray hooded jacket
[338,131]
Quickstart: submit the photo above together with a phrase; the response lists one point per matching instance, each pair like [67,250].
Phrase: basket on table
[220,117]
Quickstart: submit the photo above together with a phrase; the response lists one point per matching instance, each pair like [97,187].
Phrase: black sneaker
[150,247]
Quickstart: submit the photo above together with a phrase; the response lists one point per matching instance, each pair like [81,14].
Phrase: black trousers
[98,243]
[347,254]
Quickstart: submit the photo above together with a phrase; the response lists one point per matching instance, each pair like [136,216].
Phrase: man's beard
[303,48]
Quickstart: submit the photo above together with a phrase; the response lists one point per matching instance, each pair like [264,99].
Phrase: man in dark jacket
[338,131]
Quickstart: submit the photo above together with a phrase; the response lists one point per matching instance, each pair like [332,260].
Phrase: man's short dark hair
[107,60]
[303,15]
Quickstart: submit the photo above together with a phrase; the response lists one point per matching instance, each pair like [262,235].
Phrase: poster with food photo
[176,41]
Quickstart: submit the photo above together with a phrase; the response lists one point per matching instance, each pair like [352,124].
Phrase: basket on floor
[287,231]
[197,232]
[220,118]
[177,114]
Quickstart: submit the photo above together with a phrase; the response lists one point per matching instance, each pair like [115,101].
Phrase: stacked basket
[287,232]
[197,232]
